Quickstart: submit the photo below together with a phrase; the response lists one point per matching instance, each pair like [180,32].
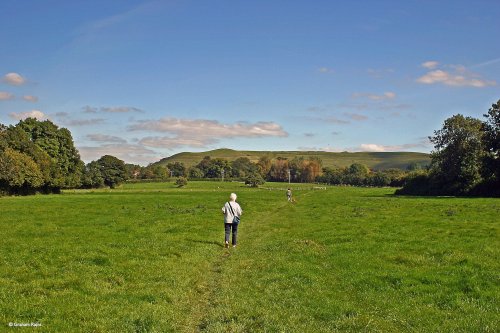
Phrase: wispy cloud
[389,95]
[5,96]
[121,109]
[37,114]
[453,75]
[83,122]
[486,63]
[89,109]
[379,73]
[30,98]
[355,116]
[430,64]
[14,79]
[325,70]
[333,120]
[111,109]
[105,138]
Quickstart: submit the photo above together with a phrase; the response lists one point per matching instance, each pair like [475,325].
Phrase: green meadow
[149,258]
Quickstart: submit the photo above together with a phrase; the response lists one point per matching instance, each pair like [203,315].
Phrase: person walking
[289,195]
[231,210]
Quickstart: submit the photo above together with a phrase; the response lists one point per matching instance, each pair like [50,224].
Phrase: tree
[356,174]
[92,176]
[378,179]
[181,181]
[177,169]
[19,173]
[458,155]
[264,166]
[216,166]
[195,173]
[254,180]
[67,167]
[243,167]
[492,143]
[279,170]
[112,170]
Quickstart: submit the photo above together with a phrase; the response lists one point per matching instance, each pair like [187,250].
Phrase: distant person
[289,195]
[230,210]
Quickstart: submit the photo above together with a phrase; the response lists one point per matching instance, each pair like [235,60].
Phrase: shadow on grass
[219,244]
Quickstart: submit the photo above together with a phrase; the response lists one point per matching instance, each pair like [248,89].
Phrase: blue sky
[142,80]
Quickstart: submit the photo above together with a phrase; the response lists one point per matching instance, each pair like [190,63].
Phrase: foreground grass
[148,258]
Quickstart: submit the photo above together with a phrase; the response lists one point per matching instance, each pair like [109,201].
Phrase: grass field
[149,258]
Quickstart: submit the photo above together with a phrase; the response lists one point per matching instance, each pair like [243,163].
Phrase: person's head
[232,197]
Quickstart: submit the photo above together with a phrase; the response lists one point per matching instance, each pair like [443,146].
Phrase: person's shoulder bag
[236,219]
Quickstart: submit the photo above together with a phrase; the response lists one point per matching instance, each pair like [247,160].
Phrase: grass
[149,258]
[374,160]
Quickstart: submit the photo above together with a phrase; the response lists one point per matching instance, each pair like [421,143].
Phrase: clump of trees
[38,156]
[465,159]
[360,175]
[297,169]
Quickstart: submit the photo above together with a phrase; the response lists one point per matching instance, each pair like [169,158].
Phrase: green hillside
[375,160]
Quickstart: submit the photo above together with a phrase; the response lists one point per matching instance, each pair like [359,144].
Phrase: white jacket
[228,216]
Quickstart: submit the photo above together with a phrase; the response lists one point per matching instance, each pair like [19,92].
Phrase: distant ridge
[374,160]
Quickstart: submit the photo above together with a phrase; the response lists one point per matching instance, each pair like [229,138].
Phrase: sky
[143,80]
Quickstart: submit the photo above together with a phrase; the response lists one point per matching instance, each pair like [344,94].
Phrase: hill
[374,160]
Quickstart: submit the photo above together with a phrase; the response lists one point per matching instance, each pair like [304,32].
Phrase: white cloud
[373,147]
[30,114]
[455,76]
[4,96]
[201,132]
[129,153]
[327,149]
[30,98]
[14,79]
[430,64]
[176,142]
[105,138]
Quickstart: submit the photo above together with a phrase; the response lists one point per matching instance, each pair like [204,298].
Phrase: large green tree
[492,143]
[66,167]
[458,155]
[19,173]
[112,170]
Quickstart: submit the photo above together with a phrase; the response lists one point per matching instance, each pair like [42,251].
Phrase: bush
[254,180]
[181,181]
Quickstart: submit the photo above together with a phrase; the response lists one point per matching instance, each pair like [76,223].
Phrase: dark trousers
[228,227]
